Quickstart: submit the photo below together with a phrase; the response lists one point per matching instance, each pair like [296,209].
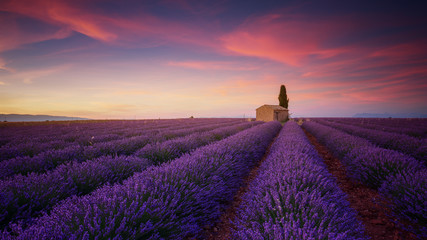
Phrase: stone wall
[264,114]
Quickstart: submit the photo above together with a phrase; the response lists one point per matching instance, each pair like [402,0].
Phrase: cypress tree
[283,97]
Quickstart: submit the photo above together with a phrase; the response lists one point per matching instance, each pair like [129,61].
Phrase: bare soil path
[364,200]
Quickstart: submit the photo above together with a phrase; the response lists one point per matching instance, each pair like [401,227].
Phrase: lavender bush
[338,142]
[416,127]
[30,140]
[294,196]
[77,152]
[41,162]
[408,192]
[40,192]
[400,142]
[23,197]
[174,200]
[373,165]
[162,151]
[380,168]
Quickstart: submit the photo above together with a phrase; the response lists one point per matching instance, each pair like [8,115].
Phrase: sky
[180,58]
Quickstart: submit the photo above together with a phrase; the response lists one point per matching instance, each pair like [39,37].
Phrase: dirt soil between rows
[366,201]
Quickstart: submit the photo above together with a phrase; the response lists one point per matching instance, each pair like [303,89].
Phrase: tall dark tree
[283,97]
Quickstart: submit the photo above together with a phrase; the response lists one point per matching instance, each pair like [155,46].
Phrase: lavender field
[176,178]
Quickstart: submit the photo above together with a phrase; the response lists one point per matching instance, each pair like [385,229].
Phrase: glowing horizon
[168,59]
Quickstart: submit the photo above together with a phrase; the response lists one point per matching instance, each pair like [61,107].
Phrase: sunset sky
[181,58]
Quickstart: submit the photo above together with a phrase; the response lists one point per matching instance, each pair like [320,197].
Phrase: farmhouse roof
[274,107]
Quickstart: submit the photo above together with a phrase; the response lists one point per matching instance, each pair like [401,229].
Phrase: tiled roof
[274,107]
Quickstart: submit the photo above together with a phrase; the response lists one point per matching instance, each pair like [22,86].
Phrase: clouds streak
[341,59]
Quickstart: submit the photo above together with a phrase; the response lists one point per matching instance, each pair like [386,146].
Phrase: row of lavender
[412,146]
[71,130]
[24,197]
[295,197]
[397,176]
[174,200]
[30,140]
[51,158]
[36,140]
[413,127]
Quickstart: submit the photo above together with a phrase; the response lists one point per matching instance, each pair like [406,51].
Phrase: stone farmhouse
[269,113]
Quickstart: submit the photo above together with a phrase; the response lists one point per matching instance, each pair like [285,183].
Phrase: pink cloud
[144,30]
[289,40]
[390,93]
[62,14]
[13,35]
[412,48]
[304,44]
[4,67]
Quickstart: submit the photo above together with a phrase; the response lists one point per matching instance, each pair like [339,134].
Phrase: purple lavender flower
[378,167]
[294,196]
[174,200]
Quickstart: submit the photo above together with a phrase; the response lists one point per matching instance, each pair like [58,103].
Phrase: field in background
[174,178]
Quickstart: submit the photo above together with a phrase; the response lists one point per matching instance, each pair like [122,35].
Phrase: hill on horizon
[388,115]
[36,118]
